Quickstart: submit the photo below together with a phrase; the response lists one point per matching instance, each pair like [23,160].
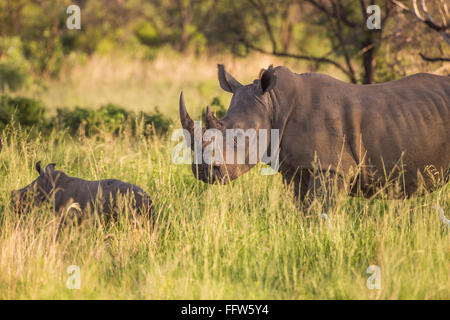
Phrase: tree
[424,15]
[343,23]
[180,22]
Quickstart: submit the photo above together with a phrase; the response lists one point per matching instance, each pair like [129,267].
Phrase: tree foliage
[34,38]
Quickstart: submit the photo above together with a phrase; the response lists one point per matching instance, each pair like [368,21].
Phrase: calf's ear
[38,167]
[50,168]
[226,80]
[267,79]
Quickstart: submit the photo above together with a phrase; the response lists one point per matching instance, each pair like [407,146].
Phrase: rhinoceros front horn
[186,121]
[211,121]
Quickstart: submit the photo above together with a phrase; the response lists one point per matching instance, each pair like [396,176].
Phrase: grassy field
[245,240]
[212,242]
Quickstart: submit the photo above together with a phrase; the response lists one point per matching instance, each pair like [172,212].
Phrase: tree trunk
[369,62]
[286,29]
[186,15]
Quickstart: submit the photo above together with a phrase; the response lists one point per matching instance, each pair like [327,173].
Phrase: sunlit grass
[239,241]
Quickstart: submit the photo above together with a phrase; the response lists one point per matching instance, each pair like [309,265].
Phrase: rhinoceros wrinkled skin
[61,191]
[381,132]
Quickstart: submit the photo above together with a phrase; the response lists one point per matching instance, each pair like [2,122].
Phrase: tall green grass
[245,240]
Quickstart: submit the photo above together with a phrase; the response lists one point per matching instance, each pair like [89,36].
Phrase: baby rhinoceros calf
[64,192]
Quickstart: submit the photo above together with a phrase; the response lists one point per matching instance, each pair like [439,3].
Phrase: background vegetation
[101,102]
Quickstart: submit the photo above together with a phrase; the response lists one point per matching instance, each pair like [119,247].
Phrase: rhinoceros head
[250,111]
[36,192]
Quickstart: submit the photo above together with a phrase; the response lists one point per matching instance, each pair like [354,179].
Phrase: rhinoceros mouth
[208,174]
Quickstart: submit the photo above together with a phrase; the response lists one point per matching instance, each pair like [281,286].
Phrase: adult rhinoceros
[397,130]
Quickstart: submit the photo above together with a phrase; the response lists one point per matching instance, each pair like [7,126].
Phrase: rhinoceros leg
[309,187]
[322,187]
[298,181]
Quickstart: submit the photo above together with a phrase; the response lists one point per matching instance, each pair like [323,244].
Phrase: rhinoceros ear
[38,167]
[267,79]
[50,168]
[226,80]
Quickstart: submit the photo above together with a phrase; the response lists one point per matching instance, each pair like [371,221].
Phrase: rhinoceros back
[378,127]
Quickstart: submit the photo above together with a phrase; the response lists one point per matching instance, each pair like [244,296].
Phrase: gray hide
[61,191]
[397,130]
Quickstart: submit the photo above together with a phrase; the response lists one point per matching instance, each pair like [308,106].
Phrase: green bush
[159,123]
[14,68]
[108,118]
[74,119]
[113,117]
[147,34]
[27,112]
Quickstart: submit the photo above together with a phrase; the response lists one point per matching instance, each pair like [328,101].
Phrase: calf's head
[239,148]
[37,192]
